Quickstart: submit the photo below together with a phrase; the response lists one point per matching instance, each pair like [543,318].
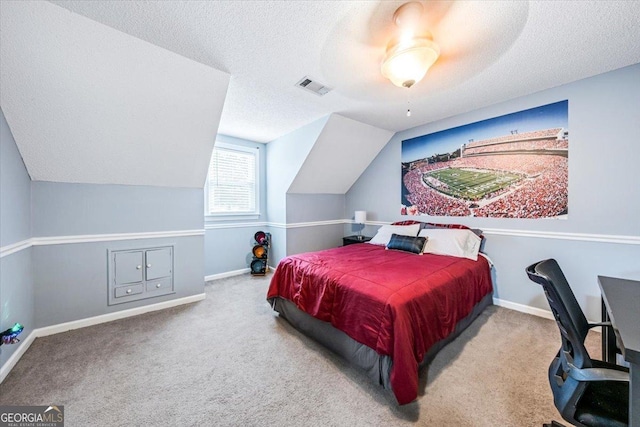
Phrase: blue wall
[289,217]
[604,197]
[16,277]
[303,209]
[63,209]
[59,280]
[285,157]
[228,246]
[229,239]
[15,198]
[71,278]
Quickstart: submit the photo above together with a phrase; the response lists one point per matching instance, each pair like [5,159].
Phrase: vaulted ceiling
[134,92]
[90,104]
[491,51]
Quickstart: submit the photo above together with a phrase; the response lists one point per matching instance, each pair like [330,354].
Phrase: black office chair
[586,392]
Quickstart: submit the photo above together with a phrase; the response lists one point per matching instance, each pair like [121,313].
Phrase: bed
[386,311]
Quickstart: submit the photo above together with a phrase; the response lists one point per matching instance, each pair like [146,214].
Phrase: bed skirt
[377,367]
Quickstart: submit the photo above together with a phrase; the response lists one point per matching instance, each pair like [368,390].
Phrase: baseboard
[226,274]
[533,310]
[15,357]
[232,273]
[109,317]
[523,308]
[90,321]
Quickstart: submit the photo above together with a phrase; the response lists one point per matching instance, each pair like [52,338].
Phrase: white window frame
[234,215]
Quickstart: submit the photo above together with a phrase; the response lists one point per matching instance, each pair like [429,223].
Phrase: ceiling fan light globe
[406,64]
[408,15]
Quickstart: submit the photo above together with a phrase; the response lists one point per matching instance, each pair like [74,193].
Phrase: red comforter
[397,303]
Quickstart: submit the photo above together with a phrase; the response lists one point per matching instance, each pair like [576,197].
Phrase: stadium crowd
[538,144]
[517,163]
[543,194]
[536,134]
[429,201]
[540,197]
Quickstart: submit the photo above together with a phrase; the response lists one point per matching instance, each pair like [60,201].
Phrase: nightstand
[350,240]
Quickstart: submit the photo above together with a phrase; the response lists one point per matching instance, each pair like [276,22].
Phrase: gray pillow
[407,243]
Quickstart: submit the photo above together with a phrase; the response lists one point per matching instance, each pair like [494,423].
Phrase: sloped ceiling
[87,103]
[491,51]
[342,151]
[92,96]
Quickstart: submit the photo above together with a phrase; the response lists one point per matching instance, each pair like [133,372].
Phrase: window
[232,181]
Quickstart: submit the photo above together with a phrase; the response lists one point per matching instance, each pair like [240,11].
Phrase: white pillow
[452,242]
[384,233]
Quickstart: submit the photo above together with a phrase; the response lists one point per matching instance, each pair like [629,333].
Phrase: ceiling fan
[412,51]
[384,41]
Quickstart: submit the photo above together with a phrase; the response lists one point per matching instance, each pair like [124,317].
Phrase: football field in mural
[469,184]
[511,166]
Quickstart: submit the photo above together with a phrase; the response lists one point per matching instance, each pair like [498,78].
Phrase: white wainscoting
[64,240]
[59,240]
[92,238]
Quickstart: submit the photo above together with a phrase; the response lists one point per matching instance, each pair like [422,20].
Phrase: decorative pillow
[407,243]
[384,233]
[453,242]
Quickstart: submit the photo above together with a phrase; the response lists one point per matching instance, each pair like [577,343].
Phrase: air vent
[312,86]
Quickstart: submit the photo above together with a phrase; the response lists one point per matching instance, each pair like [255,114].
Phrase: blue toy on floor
[10,336]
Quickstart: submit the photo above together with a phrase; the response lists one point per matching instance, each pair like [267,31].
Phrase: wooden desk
[622,302]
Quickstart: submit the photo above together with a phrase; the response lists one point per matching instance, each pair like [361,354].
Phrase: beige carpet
[230,361]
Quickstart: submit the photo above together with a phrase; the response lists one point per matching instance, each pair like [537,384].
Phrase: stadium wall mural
[512,166]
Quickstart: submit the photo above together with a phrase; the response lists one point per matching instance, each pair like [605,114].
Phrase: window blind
[232,181]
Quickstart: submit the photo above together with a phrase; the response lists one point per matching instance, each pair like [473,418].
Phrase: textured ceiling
[491,51]
[87,103]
